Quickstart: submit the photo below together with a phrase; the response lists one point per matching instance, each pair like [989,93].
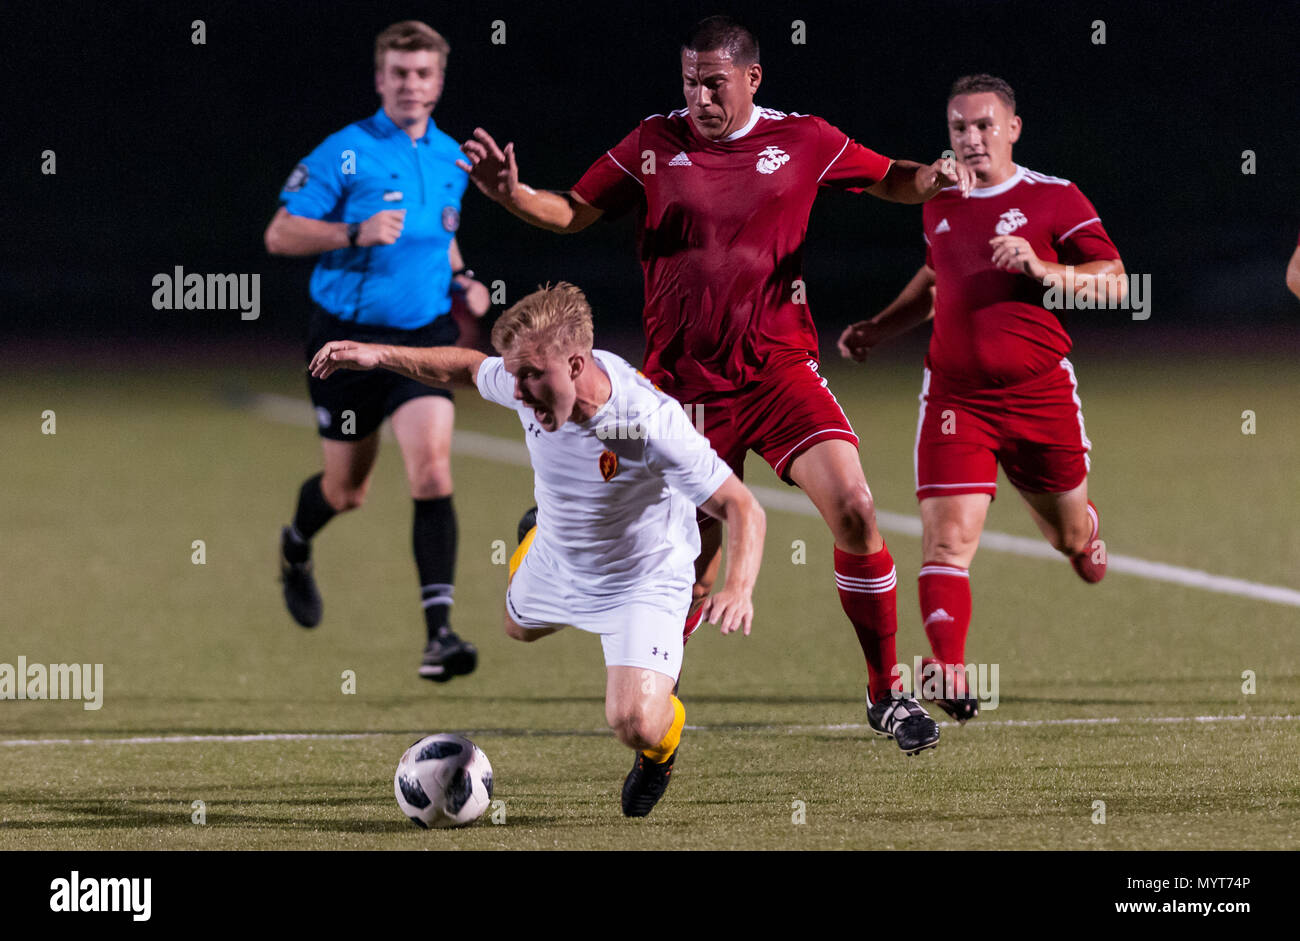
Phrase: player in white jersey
[619,471]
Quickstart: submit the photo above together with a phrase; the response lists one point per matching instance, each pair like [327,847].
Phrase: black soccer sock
[433,535]
[313,512]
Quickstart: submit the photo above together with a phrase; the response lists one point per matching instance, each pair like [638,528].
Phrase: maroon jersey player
[998,388]
[722,190]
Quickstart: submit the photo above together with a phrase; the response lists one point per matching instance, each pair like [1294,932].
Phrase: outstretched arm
[496,174]
[432,365]
[1293,273]
[733,607]
[913,306]
[910,182]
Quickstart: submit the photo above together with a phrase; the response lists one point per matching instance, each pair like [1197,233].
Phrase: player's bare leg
[645,715]
[950,533]
[345,480]
[340,487]
[1071,524]
[526,634]
[831,474]
[707,565]
[423,427]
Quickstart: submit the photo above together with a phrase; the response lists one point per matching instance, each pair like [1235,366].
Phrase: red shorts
[1033,429]
[782,415]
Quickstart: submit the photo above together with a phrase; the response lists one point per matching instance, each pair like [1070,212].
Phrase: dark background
[171,154]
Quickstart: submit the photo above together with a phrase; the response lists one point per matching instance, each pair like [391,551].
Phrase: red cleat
[1091,562]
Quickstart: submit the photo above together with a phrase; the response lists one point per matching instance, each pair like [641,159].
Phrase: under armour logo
[534,430]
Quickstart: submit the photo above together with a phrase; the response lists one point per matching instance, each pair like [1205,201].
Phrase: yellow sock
[668,744]
[517,559]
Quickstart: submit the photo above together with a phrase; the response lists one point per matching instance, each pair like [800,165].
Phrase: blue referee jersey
[356,172]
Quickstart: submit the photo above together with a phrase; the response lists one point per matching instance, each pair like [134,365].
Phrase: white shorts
[644,633]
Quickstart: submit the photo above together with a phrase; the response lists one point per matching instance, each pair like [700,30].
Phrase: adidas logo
[939,614]
[681,160]
[942,227]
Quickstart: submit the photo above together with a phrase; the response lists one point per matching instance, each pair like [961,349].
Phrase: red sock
[945,608]
[692,622]
[867,593]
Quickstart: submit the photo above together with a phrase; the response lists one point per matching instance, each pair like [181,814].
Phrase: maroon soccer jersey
[990,326]
[721,233]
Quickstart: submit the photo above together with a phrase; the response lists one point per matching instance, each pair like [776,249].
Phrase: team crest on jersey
[450,218]
[608,465]
[772,159]
[297,179]
[1009,221]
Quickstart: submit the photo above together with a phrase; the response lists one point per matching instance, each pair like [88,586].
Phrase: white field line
[293,411]
[791,729]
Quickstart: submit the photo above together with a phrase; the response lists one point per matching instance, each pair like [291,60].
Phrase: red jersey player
[723,190]
[997,386]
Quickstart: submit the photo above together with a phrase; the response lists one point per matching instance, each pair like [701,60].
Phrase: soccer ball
[443,781]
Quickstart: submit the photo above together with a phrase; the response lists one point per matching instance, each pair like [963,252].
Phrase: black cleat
[446,656]
[526,522]
[300,594]
[947,690]
[905,721]
[645,784]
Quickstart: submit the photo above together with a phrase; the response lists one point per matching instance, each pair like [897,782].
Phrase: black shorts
[351,405]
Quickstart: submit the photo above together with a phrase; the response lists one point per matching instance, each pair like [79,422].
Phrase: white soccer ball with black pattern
[443,781]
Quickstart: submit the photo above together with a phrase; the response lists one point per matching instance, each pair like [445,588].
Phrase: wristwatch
[354,229]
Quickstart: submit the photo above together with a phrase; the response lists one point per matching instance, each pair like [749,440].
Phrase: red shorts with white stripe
[1034,429]
[784,414]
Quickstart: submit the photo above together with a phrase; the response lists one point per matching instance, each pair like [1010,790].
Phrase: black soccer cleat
[526,522]
[645,784]
[955,697]
[905,721]
[962,708]
[446,656]
[300,594]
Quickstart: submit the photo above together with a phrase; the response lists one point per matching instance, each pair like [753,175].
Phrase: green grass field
[95,561]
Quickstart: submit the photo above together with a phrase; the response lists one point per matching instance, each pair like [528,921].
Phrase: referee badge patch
[450,218]
[297,179]
[608,465]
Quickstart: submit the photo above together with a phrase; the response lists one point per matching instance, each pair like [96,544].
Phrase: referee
[379,203]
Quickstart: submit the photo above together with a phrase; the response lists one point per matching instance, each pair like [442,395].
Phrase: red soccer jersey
[990,326]
[721,233]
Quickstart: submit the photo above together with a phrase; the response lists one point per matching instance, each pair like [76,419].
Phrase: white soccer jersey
[616,495]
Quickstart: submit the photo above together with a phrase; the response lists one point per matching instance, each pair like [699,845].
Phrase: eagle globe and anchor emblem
[771,159]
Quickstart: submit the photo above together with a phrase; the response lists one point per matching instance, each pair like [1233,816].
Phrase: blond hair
[409,36]
[551,318]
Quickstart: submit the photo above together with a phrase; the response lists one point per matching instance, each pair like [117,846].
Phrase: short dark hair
[722,33]
[409,36]
[974,84]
